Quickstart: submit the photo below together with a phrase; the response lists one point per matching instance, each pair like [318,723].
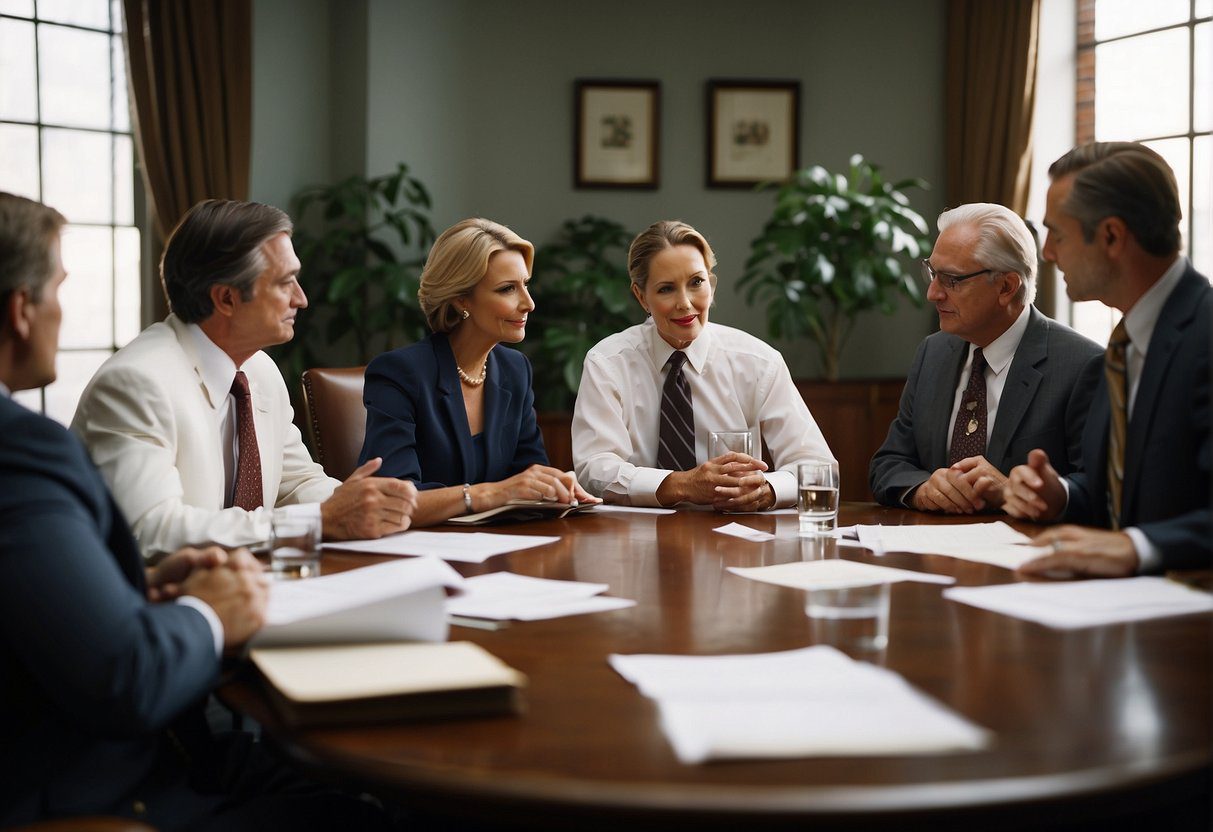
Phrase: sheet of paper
[744,532]
[994,543]
[613,508]
[810,702]
[463,547]
[1073,604]
[399,600]
[834,574]
[505,596]
[782,512]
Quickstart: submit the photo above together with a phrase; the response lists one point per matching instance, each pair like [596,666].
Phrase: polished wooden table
[1089,723]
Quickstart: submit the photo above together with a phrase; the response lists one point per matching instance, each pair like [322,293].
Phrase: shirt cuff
[1149,558]
[212,619]
[642,491]
[786,489]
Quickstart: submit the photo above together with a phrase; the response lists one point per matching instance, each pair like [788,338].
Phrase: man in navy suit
[1113,220]
[959,429]
[105,666]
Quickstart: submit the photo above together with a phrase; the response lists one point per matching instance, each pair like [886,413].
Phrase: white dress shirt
[737,383]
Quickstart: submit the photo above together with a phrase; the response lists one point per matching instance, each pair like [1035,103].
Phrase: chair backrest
[335,417]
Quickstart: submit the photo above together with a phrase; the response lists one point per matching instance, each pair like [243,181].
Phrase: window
[65,139]
[1145,73]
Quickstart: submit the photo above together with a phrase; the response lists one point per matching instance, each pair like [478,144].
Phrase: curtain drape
[190,65]
[991,90]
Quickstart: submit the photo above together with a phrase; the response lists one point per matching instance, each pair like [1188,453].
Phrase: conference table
[1088,723]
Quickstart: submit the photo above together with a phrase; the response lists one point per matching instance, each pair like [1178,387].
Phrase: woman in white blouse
[627,420]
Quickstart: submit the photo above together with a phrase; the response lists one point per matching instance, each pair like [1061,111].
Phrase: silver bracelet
[467,499]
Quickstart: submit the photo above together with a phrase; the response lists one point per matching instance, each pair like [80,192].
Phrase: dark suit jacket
[1167,454]
[1044,403]
[416,421]
[91,671]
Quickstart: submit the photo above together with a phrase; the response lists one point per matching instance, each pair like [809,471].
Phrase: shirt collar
[1143,317]
[214,365]
[4,391]
[697,353]
[999,352]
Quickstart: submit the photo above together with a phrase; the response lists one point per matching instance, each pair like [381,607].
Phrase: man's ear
[1011,281]
[19,313]
[224,298]
[1112,234]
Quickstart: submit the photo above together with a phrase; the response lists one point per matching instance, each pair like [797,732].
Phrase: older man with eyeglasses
[996,381]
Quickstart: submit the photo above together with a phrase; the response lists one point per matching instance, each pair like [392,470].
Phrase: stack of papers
[1074,604]
[502,596]
[993,543]
[463,547]
[834,574]
[395,601]
[800,703]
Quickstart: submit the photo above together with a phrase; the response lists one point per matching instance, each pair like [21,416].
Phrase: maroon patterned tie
[248,470]
[969,432]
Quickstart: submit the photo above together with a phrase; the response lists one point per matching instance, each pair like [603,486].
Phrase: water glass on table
[818,502]
[721,442]
[295,543]
[850,618]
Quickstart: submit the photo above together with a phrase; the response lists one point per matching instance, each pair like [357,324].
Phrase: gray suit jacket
[1044,405]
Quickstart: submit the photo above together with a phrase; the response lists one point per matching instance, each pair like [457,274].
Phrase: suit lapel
[1023,380]
[496,405]
[451,396]
[209,478]
[941,395]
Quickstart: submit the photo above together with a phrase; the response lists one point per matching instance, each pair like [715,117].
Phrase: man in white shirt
[957,434]
[191,424]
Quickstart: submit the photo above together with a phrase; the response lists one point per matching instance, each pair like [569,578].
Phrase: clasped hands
[730,482]
[969,486]
[233,584]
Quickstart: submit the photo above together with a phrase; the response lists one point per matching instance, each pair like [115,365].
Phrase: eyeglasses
[949,281]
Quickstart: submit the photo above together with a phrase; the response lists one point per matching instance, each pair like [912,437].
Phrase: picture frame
[753,131]
[617,133]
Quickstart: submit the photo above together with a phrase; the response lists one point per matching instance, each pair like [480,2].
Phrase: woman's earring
[465,314]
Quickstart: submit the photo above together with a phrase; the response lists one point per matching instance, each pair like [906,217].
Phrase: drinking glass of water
[721,442]
[295,543]
[818,505]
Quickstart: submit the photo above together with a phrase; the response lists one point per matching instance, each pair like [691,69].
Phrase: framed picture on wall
[753,131]
[617,135]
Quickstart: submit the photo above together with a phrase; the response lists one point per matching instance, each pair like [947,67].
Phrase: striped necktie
[248,469]
[969,432]
[1118,399]
[676,436]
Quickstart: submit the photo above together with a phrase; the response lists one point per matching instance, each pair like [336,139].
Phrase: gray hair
[27,229]
[1004,242]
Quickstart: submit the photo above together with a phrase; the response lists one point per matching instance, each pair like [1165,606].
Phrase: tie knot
[240,385]
[979,360]
[1120,335]
[677,359]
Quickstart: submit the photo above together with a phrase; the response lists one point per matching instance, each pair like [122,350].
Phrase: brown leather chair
[335,417]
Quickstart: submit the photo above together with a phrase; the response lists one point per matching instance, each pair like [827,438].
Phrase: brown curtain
[991,89]
[190,64]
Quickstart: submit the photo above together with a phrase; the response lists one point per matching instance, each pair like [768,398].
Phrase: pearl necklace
[474,382]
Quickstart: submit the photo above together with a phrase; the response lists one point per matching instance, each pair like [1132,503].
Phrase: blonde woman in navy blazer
[455,413]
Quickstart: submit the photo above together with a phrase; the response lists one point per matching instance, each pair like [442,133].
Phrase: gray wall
[476,97]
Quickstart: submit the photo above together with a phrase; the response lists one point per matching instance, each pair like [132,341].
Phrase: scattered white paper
[834,574]
[810,702]
[464,547]
[505,596]
[776,511]
[994,543]
[744,532]
[395,601]
[615,508]
[1074,604]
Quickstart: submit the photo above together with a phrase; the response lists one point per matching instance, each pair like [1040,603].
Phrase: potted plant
[354,240]
[836,246]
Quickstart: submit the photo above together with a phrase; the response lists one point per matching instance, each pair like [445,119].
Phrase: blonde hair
[660,236]
[458,261]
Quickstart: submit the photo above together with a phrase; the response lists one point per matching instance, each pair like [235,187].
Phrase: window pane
[29,398]
[19,8]
[19,160]
[127,295]
[122,112]
[1202,205]
[1204,8]
[74,370]
[94,13]
[1141,87]
[1202,111]
[116,14]
[18,99]
[1114,18]
[76,174]
[124,181]
[74,76]
[87,296]
[1093,319]
[1175,151]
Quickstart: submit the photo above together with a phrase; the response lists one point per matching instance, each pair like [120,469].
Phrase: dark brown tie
[1118,398]
[248,470]
[969,432]
[676,436]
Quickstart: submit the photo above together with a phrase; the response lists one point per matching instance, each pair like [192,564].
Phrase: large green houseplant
[362,243]
[580,285]
[836,246]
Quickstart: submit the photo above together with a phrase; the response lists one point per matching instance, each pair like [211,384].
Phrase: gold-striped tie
[1118,398]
